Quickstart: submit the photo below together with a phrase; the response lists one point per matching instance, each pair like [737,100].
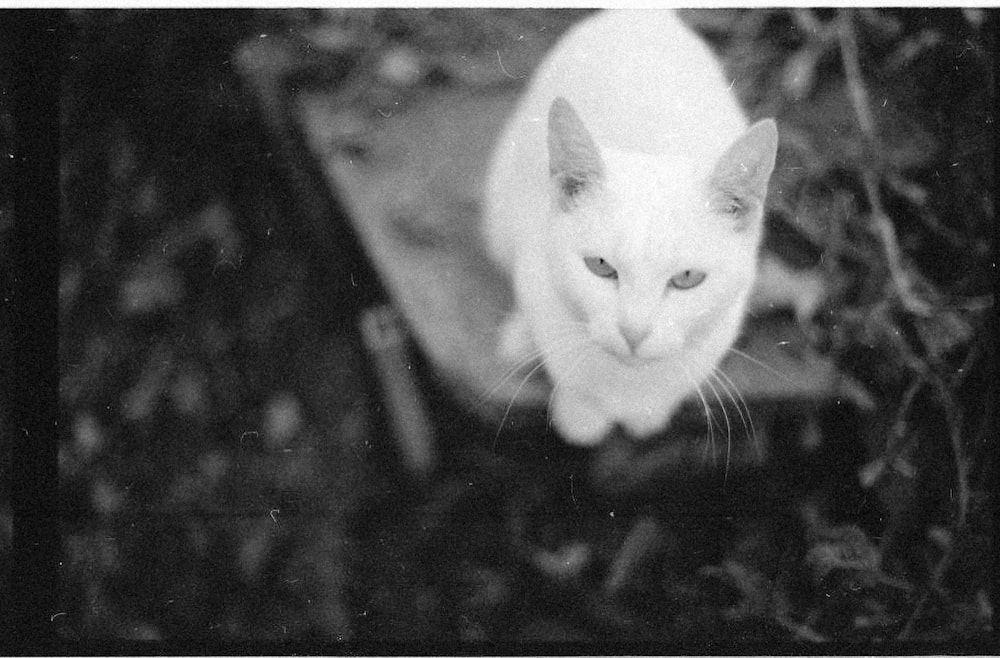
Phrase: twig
[957,378]
[901,278]
[904,351]
[953,417]
[932,586]
[897,441]
[806,20]
[904,282]
[976,304]
[916,195]
[801,632]
[852,69]
[644,537]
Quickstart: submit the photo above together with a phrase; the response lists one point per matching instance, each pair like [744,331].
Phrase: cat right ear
[739,180]
[574,162]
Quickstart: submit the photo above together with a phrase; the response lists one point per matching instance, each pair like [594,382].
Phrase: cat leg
[578,420]
[516,340]
[643,425]
[648,418]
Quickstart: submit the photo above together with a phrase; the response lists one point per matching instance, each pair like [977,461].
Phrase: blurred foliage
[211,411]
[224,475]
[887,142]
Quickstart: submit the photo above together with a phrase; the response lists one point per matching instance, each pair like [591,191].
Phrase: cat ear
[574,161]
[739,181]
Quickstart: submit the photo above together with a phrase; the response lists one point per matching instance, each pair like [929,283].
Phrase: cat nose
[634,334]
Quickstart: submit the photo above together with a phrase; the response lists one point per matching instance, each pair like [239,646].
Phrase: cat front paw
[642,424]
[578,420]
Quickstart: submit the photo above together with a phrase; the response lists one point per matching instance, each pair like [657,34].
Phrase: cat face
[650,253]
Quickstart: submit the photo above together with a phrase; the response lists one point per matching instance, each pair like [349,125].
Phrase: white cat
[625,200]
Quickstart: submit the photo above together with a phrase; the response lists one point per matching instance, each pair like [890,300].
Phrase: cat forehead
[639,187]
[644,178]
[652,212]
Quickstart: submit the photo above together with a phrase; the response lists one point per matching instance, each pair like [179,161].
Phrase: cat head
[654,253]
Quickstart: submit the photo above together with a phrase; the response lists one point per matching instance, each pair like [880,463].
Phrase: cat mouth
[632,359]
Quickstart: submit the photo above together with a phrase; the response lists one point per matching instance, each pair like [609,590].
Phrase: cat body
[625,201]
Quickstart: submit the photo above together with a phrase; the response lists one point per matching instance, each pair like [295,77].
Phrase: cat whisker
[725,416]
[516,367]
[709,416]
[727,389]
[510,404]
[565,349]
[760,363]
[710,422]
[725,386]
[508,373]
[741,405]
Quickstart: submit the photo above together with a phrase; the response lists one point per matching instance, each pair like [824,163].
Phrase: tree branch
[858,93]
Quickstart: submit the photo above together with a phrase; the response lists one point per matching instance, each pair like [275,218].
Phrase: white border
[363,4]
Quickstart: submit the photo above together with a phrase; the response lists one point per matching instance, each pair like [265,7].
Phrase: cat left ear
[574,160]
[741,175]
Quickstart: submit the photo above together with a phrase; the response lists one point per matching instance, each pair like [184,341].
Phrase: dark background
[226,468]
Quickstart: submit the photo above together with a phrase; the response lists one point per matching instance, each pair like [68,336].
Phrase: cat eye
[600,267]
[687,279]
